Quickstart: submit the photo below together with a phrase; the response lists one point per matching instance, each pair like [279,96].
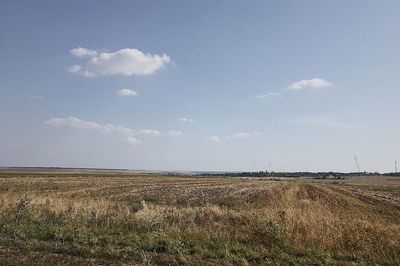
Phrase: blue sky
[200,85]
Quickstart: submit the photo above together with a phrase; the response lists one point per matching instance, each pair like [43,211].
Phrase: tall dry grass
[192,221]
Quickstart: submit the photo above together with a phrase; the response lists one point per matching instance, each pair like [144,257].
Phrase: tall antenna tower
[395,166]
[357,164]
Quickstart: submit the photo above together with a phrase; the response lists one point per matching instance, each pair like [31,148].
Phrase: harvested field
[101,218]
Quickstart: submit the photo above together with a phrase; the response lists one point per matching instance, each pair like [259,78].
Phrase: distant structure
[357,164]
[395,166]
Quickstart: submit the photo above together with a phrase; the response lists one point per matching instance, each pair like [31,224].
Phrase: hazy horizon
[200,86]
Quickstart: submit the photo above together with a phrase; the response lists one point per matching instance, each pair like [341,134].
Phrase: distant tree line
[318,175]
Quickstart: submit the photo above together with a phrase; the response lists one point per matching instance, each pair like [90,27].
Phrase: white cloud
[174,133]
[127,135]
[132,140]
[151,132]
[322,122]
[269,95]
[315,83]
[185,120]
[352,112]
[74,123]
[36,97]
[75,69]
[83,52]
[127,92]
[243,135]
[239,135]
[108,129]
[127,62]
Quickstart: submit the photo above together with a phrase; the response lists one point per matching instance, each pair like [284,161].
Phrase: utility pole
[357,164]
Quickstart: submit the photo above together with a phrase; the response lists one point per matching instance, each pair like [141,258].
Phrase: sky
[295,85]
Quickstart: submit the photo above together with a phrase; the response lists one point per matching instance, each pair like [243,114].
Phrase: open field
[119,218]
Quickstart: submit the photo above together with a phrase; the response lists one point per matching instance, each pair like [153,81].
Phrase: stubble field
[113,218]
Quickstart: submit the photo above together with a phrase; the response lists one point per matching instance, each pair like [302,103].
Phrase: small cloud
[156,133]
[78,70]
[321,122]
[36,97]
[127,62]
[132,140]
[315,83]
[214,139]
[151,132]
[269,95]
[244,135]
[75,69]
[83,52]
[185,120]
[239,135]
[352,112]
[74,123]
[174,133]
[127,92]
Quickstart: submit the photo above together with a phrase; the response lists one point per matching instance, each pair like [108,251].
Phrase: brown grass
[131,219]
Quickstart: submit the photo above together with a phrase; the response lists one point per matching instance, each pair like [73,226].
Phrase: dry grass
[122,219]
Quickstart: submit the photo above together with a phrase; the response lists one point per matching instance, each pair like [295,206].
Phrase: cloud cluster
[36,97]
[243,135]
[127,62]
[186,120]
[127,92]
[128,135]
[173,133]
[150,132]
[238,135]
[315,83]
[269,95]
[322,122]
